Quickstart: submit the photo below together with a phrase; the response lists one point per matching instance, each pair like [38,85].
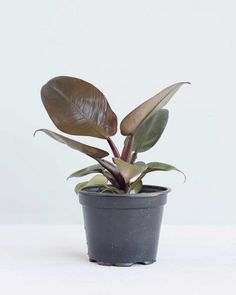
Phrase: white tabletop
[51,259]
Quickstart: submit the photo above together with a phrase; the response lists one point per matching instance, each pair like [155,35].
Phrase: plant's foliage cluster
[77,107]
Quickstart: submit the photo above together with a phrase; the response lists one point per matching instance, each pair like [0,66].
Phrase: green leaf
[77,107]
[150,131]
[86,149]
[137,187]
[112,189]
[158,166]
[80,186]
[128,170]
[134,119]
[98,180]
[88,170]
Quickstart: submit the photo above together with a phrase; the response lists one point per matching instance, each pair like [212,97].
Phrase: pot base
[122,264]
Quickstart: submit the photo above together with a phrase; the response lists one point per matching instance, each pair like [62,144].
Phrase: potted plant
[122,216]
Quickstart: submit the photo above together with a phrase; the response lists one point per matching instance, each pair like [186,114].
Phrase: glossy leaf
[86,149]
[158,166]
[77,107]
[98,180]
[88,170]
[134,119]
[127,170]
[150,131]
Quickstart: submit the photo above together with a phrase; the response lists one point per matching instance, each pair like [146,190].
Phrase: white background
[50,259]
[130,50]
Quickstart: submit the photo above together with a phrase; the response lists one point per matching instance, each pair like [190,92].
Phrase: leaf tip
[35,132]
[184,175]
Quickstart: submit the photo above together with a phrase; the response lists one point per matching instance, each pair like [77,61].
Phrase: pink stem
[113,148]
[128,148]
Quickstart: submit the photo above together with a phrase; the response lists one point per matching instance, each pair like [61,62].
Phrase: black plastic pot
[123,229]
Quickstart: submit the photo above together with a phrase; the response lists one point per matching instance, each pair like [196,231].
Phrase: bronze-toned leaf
[113,171]
[150,131]
[88,170]
[134,119]
[111,178]
[98,180]
[84,148]
[128,170]
[158,166]
[77,107]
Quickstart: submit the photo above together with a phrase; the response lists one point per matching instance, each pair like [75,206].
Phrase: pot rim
[152,191]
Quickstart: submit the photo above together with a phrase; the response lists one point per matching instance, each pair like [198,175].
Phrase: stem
[127,149]
[113,148]
[133,158]
[111,178]
[127,188]
[114,172]
[136,181]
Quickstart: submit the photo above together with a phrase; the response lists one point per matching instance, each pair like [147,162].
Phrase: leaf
[77,107]
[150,131]
[113,170]
[86,149]
[112,189]
[137,187]
[98,180]
[128,170]
[111,178]
[88,170]
[158,166]
[80,186]
[128,148]
[134,119]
